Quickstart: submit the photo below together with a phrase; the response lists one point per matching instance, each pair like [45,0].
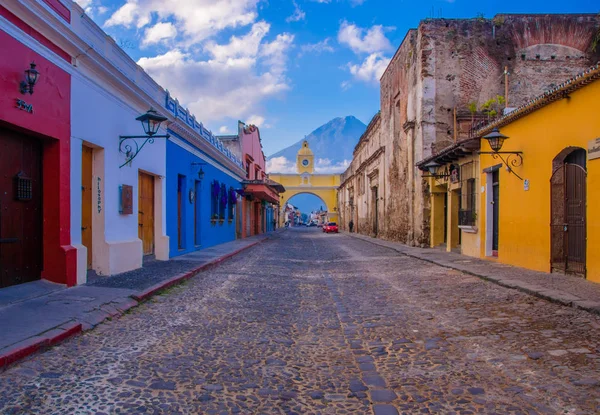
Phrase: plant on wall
[215,189]
[222,202]
[492,106]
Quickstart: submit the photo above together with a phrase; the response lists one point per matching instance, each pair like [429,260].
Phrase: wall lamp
[495,140]
[200,172]
[151,121]
[432,167]
[31,77]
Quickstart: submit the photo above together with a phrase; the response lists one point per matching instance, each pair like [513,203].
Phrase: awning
[260,190]
[452,153]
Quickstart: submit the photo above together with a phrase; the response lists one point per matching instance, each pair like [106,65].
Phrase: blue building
[202,184]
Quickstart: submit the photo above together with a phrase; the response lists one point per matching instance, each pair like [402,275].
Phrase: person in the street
[351,225]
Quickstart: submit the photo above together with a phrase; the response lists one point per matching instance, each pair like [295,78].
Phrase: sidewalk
[563,289]
[36,315]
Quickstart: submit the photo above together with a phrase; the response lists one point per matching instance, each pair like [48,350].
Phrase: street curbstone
[177,279]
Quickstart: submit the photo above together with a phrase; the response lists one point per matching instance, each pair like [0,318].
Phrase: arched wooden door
[568,219]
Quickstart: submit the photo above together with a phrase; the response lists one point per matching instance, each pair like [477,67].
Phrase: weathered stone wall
[355,194]
[447,64]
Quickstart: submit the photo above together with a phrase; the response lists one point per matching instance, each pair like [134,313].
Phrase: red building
[34,152]
[260,196]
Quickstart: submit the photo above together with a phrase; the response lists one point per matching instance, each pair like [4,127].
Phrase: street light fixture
[200,172]
[31,77]
[495,140]
[151,121]
[432,167]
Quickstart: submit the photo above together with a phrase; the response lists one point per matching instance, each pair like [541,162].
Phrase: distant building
[306,180]
[444,78]
[532,205]
[258,210]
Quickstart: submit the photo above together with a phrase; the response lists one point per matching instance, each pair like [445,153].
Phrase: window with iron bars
[467,215]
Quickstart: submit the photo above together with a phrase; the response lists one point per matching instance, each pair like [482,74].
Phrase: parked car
[330,227]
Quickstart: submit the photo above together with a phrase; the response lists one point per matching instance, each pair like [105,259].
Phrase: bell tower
[305,160]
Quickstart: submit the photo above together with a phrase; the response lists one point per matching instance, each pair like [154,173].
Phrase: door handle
[83,228]
[8,240]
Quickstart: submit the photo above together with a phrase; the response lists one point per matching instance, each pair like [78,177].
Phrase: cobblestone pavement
[309,323]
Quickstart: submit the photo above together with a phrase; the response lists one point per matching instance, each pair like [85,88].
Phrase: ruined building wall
[447,64]
[366,171]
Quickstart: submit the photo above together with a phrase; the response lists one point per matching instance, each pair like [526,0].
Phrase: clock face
[305,162]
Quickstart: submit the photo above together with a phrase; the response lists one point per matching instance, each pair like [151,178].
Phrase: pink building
[257,212]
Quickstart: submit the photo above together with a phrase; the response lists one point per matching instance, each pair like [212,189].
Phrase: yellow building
[532,201]
[323,186]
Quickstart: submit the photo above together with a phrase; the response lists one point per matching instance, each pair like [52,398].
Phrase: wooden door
[375,196]
[248,205]
[86,201]
[568,216]
[20,208]
[146,212]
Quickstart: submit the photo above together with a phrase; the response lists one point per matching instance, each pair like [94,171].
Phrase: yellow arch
[321,185]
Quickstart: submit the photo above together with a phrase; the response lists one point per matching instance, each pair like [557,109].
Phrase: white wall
[99,115]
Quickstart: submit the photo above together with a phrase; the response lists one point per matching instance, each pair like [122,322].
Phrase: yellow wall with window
[444,202]
[524,215]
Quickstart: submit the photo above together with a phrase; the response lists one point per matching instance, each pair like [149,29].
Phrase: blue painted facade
[198,229]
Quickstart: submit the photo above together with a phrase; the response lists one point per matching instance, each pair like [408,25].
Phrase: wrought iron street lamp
[200,172]
[151,121]
[495,140]
[432,167]
[31,77]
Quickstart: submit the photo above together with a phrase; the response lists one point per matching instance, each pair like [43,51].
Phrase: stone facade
[439,69]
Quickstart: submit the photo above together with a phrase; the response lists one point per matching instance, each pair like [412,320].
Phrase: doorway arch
[568,194]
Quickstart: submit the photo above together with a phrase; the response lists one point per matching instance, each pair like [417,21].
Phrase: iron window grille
[467,214]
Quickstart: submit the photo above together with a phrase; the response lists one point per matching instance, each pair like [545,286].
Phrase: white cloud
[195,19]
[319,47]
[84,3]
[244,47]
[280,165]
[326,166]
[255,120]
[345,85]
[297,15]
[371,69]
[322,166]
[158,33]
[224,129]
[364,40]
[233,83]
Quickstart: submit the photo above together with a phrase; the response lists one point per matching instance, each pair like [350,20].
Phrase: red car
[330,227]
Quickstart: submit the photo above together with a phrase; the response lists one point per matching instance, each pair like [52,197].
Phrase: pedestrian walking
[351,225]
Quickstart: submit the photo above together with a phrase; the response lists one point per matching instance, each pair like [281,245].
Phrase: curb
[52,337]
[557,297]
[43,341]
[177,279]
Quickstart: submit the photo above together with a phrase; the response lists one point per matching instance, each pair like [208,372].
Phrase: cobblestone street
[313,323]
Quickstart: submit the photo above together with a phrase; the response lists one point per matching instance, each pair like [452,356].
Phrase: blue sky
[287,66]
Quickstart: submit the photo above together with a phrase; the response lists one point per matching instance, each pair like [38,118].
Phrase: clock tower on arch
[305,159]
